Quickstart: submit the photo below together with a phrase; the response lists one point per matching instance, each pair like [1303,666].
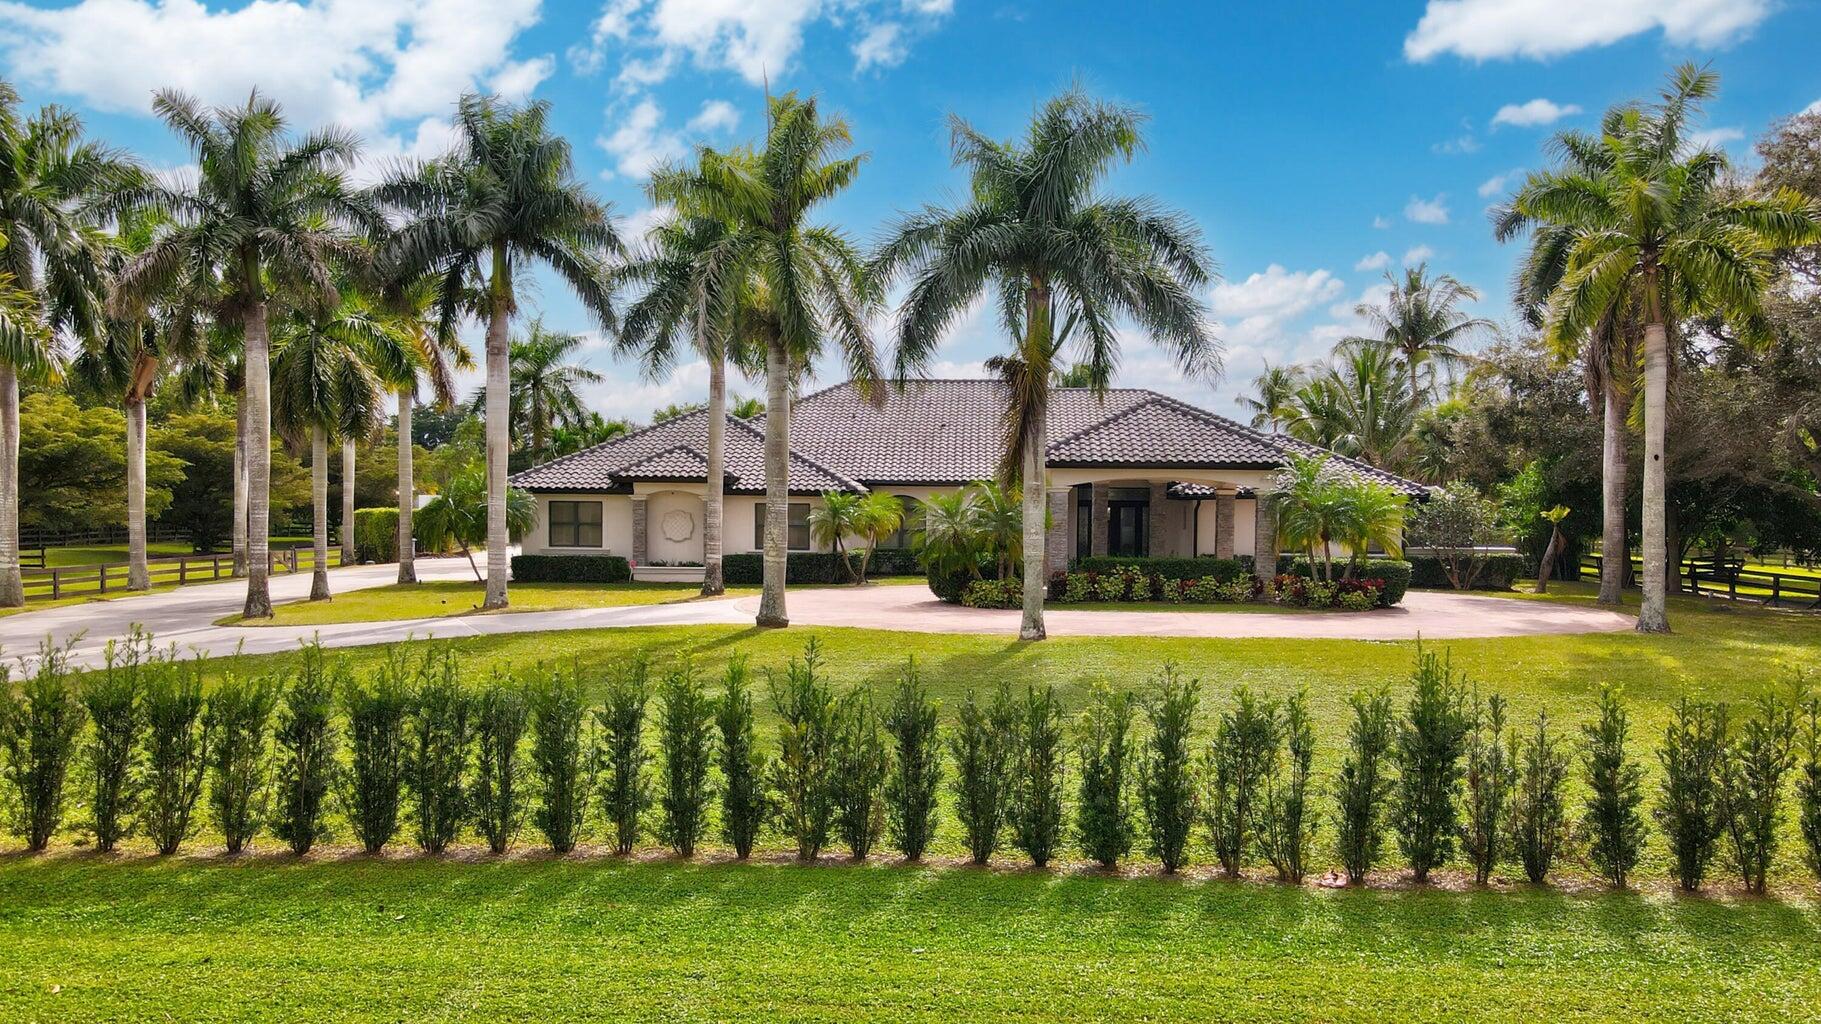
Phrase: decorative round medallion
[678,526]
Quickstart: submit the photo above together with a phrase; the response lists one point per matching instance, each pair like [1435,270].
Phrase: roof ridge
[684,447]
[1106,420]
[791,452]
[622,439]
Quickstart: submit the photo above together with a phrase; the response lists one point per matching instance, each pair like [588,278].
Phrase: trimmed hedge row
[1395,573]
[1502,570]
[747,568]
[1224,570]
[571,569]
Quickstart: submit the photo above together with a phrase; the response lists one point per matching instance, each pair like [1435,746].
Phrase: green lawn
[58,558]
[463,597]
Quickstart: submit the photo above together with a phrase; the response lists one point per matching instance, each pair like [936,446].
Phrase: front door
[1128,527]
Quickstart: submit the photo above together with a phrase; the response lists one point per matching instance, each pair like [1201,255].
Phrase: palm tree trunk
[1030,627]
[258,397]
[407,493]
[777,482]
[713,498]
[347,501]
[12,582]
[138,576]
[319,529]
[1615,554]
[238,532]
[1653,616]
[499,411]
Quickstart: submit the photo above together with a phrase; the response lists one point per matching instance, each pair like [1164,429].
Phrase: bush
[238,718]
[981,744]
[1808,786]
[685,754]
[860,764]
[744,804]
[177,749]
[1491,776]
[625,790]
[1498,571]
[376,534]
[305,742]
[800,774]
[113,703]
[1615,791]
[1035,784]
[39,721]
[501,715]
[1394,575]
[747,568]
[1362,790]
[376,714]
[916,773]
[559,758]
[1752,787]
[1538,816]
[1221,569]
[440,737]
[1166,774]
[1239,760]
[571,569]
[1286,828]
[1005,593]
[1430,742]
[1103,822]
[949,585]
[1690,800]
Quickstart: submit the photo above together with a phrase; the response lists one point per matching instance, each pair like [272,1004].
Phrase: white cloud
[715,116]
[640,141]
[1381,222]
[1533,113]
[635,226]
[1377,261]
[1715,138]
[1417,254]
[519,79]
[1457,146]
[1493,29]
[1260,307]
[1427,211]
[882,46]
[1494,185]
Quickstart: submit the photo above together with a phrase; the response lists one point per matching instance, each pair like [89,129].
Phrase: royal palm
[1420,319]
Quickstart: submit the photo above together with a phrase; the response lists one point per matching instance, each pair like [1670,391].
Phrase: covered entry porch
[1162,512]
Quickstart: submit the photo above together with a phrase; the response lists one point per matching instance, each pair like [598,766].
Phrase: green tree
[835,520]
[461,515]
[879,516]
[71,466]
[1272,401]
[1615,791]
[1421,320]
[546,384]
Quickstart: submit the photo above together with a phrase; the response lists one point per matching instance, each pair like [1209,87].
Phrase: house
[1131,472]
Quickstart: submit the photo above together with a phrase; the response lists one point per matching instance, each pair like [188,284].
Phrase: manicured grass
[463,597]
[58,558]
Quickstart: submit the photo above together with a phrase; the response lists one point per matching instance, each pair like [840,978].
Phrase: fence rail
[43,584]
[1729,578]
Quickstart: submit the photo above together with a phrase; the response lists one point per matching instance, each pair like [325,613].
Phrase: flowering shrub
[1006,593]
[1108,587]
[1138,584]
[1237,591]
[1358,601]
[1128,583]
[1319,594]
[1205,590]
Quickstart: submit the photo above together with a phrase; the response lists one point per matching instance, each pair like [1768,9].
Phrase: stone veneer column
[1097,521]
[640,543]
[1058,540]
[1223,524]
[1264,537]
[1162,542]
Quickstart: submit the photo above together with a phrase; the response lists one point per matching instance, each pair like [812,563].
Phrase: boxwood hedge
[571,569]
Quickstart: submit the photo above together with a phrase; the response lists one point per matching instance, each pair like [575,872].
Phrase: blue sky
[1315,144]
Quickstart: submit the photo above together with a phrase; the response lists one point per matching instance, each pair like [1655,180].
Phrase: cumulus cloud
[1381,222]
[1261,306]
[1494,185]
[882,46]
[1494,29]
[1377,261]
[1533,113]
[1427,211]
[715,116]
[640,140]
[1715,138]
[1417,254]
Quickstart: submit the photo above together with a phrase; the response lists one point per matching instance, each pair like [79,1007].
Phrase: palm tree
[592,429]
[52,271]
[835,519]
[1356,404]
[1373,515]
[799,284]
[947,535]
[1036,230]
[545,384]
[1312,510]
[504,199]
[427,353]
[1421,321]
[264,217]
[747,408]
[880,515]
[999,516]
[1272,402]
[1660,224]
[461,515]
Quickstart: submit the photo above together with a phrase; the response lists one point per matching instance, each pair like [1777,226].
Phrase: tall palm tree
[800,284]
[430,353]
[1356,404]
[503,200]
[52,268]
[1273,397]
[545,383]
[265,217]
[1036,230]
[1421,320]
[1661,225]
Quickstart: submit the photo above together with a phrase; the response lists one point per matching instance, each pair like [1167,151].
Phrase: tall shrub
[1539,819]
[376,712]
[745,805]
[1363,788]
[1752,786]
[39,722]
[1166,772]
[1615,791]
[1491,776]
[306,741]
[1103,743]
[685,754]
[980,746]
[800,773]
[1430,741]
[1037,776]
[1808,784]
[177,750]
[625,785]
[916,772]
[1690,799]
[501,715]
[439,743]
[860,764]
[1286,822]
[239,722]
[559,758]
[116,717]
[1239,759]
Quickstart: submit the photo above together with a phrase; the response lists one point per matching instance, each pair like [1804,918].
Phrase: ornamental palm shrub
[1539,819]
[497,794]
[1808,785]
[916,772]
[1752,786]
[305,741]
[1430,742]
[686,722]
[112,699]
[625,785]
[1103,745]
[239,722]
[861,760]
[559,758]
[39,722]
[439,743]
[1239,759]
[1363,788]
[981,747]
[1036,814]
[1491,776]
[373,784]
[176,752]
[1690,806]
[1286,823]
[1615,791]
[1166,771]
[745,805]
[801,773]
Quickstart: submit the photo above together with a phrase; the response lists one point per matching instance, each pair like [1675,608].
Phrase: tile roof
[676,449]
[1160,431]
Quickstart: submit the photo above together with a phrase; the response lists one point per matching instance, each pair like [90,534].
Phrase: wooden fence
[1729,578]
[102,578]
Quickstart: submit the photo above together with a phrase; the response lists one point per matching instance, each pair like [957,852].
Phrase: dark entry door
[1128,528]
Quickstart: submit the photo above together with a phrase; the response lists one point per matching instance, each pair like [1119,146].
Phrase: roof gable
[1161,431]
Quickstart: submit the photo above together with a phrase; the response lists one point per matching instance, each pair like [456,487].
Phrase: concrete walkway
[184,616]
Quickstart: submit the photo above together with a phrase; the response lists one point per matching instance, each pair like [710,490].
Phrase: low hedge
[747,568]
[1395,573]
[1221,569]
[376,534]
[571,569]
[1501,571]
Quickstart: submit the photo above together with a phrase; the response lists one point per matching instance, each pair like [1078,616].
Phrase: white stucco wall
[616,526]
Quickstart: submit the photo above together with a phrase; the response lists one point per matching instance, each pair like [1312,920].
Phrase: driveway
[184,616]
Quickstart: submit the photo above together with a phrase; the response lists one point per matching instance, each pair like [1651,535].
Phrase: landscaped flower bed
[1127,584]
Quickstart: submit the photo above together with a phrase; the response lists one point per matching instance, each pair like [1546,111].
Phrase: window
[796,534]
[901,540]
[575,524]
